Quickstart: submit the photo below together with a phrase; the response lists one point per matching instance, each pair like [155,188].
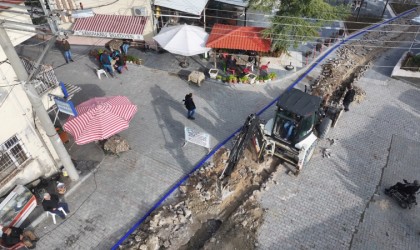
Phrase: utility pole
[37,104]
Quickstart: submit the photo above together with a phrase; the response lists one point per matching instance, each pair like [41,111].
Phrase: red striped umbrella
[100,118]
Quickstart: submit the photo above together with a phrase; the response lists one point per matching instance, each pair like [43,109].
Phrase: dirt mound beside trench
[209,213]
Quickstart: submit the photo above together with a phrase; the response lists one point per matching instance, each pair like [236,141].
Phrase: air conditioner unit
[140,11]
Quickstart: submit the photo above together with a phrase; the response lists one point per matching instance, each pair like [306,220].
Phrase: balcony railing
[45,76]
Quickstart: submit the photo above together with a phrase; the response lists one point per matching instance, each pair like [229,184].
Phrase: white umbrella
[185,40]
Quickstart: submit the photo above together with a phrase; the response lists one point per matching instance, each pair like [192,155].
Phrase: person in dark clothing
[119,63]
[406,187]
[106,62]
[231,62]
[51,203]
[349,98]
[67,52]
[13,235]
[189,104]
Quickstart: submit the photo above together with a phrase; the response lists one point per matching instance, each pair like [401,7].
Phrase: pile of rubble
[355,58]
[208,212]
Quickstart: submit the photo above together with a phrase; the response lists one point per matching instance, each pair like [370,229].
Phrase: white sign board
[199,138]
[108,34]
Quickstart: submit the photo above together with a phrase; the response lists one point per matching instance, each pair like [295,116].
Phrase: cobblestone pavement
[330,199]
[123,188]
[319,209]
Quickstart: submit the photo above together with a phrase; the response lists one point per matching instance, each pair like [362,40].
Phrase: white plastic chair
[99,72]
[53,214]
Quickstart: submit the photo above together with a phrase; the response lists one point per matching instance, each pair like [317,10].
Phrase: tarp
[194,7]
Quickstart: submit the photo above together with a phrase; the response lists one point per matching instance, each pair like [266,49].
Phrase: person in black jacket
[349,98]
[189,104]
[51,203]
[13,235]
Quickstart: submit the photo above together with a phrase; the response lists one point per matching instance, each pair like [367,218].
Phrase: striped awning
[111,26]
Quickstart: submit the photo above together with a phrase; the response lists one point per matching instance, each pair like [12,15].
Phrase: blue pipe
[199,164]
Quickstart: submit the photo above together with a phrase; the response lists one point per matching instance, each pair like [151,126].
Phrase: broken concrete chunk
[153,243]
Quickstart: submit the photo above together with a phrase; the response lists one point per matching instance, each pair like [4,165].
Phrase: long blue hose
[199,164]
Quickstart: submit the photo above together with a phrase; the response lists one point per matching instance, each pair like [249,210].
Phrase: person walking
[51,203]
[190,105]
[67,51]
[13,235]
[349,97]
[106,62]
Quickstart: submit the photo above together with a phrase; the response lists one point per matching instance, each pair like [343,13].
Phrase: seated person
[115,54]
[106,62]
[119,64]
[288,126]
[13,235]
[51,203]
[125,46]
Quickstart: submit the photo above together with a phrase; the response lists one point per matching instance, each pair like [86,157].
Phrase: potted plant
[235,79]
[272,76]
[266,78]
[213,73]
[230,78]
[245,79]
[219,78]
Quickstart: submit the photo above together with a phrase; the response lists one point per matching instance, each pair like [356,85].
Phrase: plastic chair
[53,214]
[99,72]
[19,245]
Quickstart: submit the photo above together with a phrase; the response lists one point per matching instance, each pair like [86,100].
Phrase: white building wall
[16,117]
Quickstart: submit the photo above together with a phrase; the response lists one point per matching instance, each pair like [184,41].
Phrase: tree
[297,21]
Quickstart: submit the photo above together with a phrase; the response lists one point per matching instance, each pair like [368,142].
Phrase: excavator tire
[324,127]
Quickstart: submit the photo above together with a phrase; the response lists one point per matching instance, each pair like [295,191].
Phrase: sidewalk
[122,189]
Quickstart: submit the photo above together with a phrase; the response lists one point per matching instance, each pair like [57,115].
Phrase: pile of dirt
[354,59]
[208,212]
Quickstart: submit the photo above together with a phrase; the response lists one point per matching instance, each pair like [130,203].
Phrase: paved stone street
[321,209]
[330,200]
[123,188]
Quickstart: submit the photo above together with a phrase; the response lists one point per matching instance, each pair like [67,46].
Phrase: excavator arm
[250,132]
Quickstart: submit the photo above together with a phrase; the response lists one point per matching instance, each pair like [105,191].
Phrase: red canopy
[238,37]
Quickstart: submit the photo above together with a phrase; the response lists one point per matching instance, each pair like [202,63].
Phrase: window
[12,155]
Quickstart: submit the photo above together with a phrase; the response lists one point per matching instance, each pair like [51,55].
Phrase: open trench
[211,226]
[207,211]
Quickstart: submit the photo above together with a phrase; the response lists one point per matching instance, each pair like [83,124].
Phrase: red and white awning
[111,26]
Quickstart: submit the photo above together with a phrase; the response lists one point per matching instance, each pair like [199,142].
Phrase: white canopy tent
[185,40]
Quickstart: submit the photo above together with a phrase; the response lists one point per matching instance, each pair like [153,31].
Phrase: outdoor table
[196,77]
